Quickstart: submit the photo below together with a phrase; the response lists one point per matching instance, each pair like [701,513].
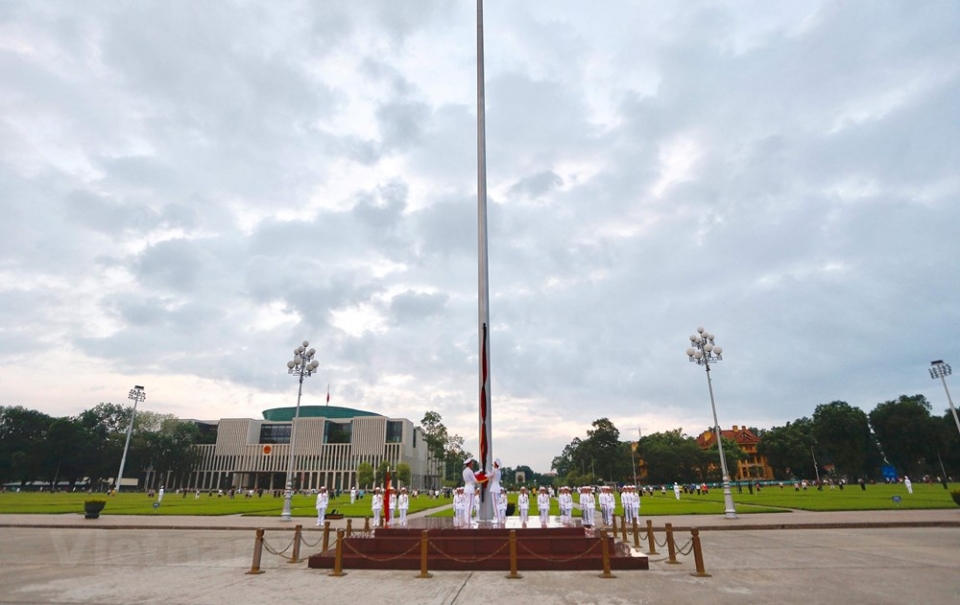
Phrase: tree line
[66,450]
[842,440]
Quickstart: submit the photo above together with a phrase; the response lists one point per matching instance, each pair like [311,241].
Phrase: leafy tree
[732,454]
[568,460]
[170,450]
[608,457]
[843,434]
[787,449]
[672,456]
[403,473]
[22,441]
[905,431]
[382,473]
[365,475]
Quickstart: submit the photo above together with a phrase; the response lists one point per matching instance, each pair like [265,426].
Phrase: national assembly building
[330,442]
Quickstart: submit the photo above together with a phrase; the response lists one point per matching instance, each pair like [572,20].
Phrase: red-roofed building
[755,465]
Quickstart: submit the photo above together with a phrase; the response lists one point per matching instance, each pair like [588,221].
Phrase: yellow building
[754,466]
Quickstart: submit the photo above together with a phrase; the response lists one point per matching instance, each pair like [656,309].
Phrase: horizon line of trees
[845,442]
[55,450]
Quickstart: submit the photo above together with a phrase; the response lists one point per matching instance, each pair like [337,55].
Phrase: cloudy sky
[189,190]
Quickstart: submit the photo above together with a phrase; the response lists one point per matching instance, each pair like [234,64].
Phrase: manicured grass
[175,504]
[775,500]
[769,500]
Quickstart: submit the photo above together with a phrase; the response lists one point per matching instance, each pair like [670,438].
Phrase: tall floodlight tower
[486,509]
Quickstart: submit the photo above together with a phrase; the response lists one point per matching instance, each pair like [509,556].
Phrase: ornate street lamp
[137,394]
[941,370]
[703,351]
[302,365]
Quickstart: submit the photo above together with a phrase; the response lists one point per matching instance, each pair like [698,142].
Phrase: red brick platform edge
[538,549]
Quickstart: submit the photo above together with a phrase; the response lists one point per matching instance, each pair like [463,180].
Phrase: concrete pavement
[881,557]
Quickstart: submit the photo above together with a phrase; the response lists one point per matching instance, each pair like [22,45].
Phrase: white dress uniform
[469,486]
[323,500]
[626,497]
[588,505]
[523,505]
[634,504]
[376,506]
[459,507]
[502,508]
[353,495]
[606,505]
[543,506]
[403,504]
[566,504]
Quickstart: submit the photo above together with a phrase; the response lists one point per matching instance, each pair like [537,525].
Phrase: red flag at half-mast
[328,394]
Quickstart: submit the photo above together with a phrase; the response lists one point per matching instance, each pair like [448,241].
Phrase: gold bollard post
[349,527]
[651,541]
[698,555]
[326,536]
[623,531]
[614,526]
[297,538]
[338,557]
[366,525]
[636,534]
[257,553]
[424,547]
[604,547]
[513,556]
[671,547]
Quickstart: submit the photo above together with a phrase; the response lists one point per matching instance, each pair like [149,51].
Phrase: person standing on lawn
[543,506]
[376,506]
[403,504]
[323,500]
[523,505]
[588,505]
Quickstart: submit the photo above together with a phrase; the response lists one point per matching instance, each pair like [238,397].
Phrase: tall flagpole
[485,512]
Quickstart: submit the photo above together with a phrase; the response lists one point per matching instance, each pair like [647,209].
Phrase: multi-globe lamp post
[941,370]
[137,394]
[703,351]
[302,365]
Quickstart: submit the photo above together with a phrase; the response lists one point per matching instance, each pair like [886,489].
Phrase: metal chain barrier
[308,545]
[683,550]
[573,558]
[363,556]
[273,551]
[473,560]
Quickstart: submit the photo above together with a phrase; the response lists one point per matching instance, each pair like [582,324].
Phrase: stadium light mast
[302,365]
[703,351]
[137,394]
[941,370]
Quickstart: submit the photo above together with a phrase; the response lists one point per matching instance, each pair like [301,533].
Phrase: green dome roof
[313,411]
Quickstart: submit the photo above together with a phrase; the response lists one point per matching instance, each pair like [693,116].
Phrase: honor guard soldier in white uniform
[606,505]
[353,494]
[469,486]
[323,500]
[376,506]
[502,508]
[634,504]
[459,508]
[493,484]
[565,500]
[543,506]
[403,504]
[626,501]
[588,505]
[393,506]
[523,505]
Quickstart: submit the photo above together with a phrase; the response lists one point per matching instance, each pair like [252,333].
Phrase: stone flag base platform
[484,548]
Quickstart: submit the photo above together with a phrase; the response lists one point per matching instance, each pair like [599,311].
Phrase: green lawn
[176,504]
[769,500]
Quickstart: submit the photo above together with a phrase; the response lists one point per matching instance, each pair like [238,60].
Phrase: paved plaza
[864,557]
